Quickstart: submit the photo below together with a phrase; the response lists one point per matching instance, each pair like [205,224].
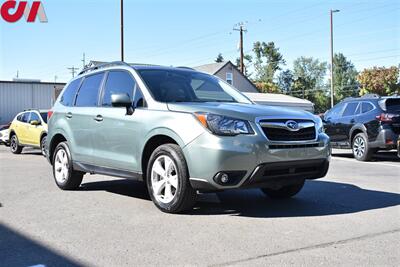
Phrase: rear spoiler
[387,100]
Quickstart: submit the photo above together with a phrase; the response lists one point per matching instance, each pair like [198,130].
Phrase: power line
[73,71]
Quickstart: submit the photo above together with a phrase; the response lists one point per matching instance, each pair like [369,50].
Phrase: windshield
[171,86]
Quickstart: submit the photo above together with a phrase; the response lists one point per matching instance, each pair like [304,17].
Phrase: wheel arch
[356,129]
[155,140]
[55,140]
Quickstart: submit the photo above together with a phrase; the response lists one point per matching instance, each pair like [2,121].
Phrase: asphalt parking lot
[350,217]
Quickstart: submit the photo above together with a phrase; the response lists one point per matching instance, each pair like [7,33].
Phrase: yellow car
[28,129]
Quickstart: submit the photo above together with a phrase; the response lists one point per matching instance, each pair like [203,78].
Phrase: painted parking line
[367,162]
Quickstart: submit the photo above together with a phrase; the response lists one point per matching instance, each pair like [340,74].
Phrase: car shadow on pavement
[382,156]
[318,198]
[121,187]
[17,249]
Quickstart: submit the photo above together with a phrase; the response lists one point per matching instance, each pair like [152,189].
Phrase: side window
[89,91]
[34,117]
[68,97]
[118,82]
[19,118]
[366,106]
[335,112]
[350,109]
[25,117]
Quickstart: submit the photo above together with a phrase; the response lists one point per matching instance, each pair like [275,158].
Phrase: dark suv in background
[364,124]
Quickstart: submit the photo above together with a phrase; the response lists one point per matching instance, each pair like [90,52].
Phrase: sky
[193,32]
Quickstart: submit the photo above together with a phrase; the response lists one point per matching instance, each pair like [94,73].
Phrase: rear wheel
[14,145]
[65,176]
[287,191]
[360,147]
[168,180]
[43,145]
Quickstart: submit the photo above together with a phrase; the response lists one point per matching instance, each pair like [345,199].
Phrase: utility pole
[84,60]
[17,74]
[73,70]
[55,79]
[332,86]
[122,30]
[241,29]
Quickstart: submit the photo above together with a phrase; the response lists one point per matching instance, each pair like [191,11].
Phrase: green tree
[379,80]
[248,59]
[308,82]
[219,58]
[285,81]
[267,87]
[344,77]
[268,60]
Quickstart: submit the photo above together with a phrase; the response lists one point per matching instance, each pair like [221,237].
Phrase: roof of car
[156,67]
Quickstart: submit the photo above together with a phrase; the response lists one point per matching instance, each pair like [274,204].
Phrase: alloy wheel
[359,147]
[164,179]
[13,143]
[61,166]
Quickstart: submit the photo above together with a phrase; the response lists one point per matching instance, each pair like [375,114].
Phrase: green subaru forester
[181,132]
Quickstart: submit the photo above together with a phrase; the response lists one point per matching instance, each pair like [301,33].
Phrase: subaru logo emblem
[292,125]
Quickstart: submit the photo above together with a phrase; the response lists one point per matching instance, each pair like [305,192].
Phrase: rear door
[82,118]
[117,133]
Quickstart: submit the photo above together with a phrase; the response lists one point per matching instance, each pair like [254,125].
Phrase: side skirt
[92,169]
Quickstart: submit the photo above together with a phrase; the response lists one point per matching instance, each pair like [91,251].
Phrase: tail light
[49,114]
[385,117]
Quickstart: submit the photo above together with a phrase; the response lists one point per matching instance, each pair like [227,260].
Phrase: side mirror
[35,122]
[122,100]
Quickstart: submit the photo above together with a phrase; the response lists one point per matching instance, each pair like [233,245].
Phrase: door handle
[68,115]
[98,118]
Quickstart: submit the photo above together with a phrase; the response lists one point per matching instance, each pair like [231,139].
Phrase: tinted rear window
[393,105]
[89,91]
[68,97]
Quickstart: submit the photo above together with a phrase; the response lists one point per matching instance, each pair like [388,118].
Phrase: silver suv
[180,131]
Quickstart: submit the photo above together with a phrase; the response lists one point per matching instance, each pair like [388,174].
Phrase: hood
[242,111]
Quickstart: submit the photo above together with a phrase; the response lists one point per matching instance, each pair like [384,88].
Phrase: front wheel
[14,145]
[168,180]
[65,176]
[287,191]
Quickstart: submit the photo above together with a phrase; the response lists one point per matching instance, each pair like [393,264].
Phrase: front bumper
[253,161]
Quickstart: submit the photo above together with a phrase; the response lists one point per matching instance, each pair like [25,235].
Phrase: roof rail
[104,65]
[371,96]
[184,67]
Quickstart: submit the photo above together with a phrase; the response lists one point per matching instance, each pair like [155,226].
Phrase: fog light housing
[229,178]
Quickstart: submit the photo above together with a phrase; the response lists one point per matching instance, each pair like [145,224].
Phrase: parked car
[366,124]
[180,131]
[28,129]
[4,140]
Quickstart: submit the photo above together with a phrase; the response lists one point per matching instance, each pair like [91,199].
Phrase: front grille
[281,134]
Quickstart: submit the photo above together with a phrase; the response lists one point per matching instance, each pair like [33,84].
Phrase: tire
[283,192]
[14,145]
[64,175]
[171,195]
[360,147]
[43,145]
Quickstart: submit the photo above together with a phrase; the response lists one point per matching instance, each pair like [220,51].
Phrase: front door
[117,133]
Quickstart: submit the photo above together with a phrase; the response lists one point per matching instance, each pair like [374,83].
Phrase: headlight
[319,124]
[221,125]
